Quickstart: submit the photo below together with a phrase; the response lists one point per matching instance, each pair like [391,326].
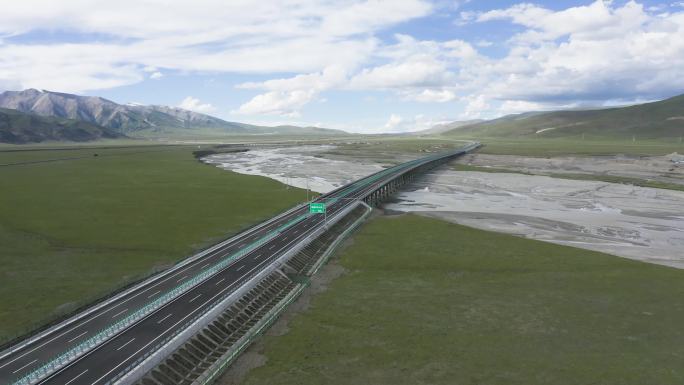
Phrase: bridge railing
[115,328]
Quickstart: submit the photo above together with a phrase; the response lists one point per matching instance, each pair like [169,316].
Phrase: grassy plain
[388,147]
[576,147]
[428,302]
[73,230]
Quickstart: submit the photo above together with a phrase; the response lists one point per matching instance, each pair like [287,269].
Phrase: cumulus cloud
[286,103]
[423,71]
[432,95]
[476,107]
[204,35]
[579,55]
[396,123]
[393,122]
[287,96]
[602,50]
[194,104]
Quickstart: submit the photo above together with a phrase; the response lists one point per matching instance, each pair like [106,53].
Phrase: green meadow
[427,302]
[75,229]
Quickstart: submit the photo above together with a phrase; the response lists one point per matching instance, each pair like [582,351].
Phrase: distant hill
[121,118]
[297,130]
[657,120]
[445,127]
[19,127]
[137,120]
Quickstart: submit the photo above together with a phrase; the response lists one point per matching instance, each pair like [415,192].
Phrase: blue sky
[358,65]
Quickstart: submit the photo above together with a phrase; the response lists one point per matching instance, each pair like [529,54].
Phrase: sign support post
[319,208]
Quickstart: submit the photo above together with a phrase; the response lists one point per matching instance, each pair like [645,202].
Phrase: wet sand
[296,166]
[633,222]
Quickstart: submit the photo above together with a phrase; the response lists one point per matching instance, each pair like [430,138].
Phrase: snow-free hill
[658,120]
[121,118]
[138,120]
[19,127]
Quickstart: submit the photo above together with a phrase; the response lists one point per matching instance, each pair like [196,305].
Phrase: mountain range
[35,116]
[19,127]
[656,120]
[117,120]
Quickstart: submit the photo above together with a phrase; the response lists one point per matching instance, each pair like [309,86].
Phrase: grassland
[658,120]
[561,147]
[427,302]
[389,147]
[75,229]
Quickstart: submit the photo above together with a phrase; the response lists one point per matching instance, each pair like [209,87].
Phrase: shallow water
[634,222]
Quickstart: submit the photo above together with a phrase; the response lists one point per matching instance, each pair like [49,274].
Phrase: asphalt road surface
[107,360]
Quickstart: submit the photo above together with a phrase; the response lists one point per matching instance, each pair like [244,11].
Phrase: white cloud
[396,123]
[286,103]
[393,122]
[194,104]
[595,21]
[578,56]
[476,107]
[287,96]
[414,72]
[432,96]
[202,35]
[602,50]
[422,71]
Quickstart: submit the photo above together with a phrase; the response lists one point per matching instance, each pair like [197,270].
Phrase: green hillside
[18,127]
[658,120]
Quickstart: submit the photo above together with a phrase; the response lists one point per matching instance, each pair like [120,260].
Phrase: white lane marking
[197,296]
[217,283]
[119,313]
[163,319]
[37,347]
[176,324]
[271,248]
[285,239]
[193,311]
[240,268]
[80,335]
[122,346]
[74,379]
[23,367]
[211,254]
[182,278]
[242,245]
[153,294]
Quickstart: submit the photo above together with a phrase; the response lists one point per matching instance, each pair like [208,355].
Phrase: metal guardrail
[113,329]
[333,246]
[108,332]
[219,366]
[13,347]
[250,282]
[245,341]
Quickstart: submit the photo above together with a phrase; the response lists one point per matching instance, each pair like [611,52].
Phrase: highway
[261,246]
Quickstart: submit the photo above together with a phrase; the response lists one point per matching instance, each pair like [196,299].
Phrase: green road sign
[317,208]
